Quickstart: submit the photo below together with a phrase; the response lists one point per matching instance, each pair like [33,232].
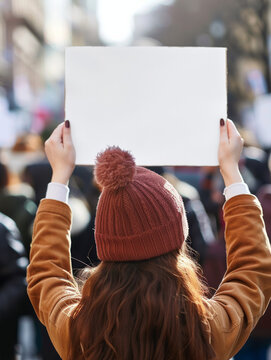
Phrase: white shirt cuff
[57,191]
[236,189]
[60,192]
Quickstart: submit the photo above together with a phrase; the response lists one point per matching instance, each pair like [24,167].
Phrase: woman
[145,300]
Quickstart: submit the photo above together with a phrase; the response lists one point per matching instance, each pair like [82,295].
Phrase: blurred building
[22,42]
[184,23]
[84,25]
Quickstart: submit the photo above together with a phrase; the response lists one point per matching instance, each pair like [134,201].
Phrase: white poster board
[161,103]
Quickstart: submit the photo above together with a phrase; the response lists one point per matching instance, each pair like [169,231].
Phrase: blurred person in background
[254,167]
[13,297]
[16,204]
[254,163]
[18,207]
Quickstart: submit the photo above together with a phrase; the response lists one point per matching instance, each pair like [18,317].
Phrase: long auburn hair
[142,310]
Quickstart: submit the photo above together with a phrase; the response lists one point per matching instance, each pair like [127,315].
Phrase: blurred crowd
[24,175]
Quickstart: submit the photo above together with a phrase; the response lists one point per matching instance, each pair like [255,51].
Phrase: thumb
[232,130]
[67,138]
[56,135]
[223,131]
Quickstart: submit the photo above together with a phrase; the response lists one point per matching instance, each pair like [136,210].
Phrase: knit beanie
[139,214]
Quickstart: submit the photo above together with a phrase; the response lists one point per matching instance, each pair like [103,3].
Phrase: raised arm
[51,286]
[245,291]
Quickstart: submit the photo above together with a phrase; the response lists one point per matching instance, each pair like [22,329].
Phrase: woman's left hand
[61,153]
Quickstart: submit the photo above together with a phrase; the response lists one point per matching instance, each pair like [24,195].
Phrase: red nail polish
[67,124]
[222,122]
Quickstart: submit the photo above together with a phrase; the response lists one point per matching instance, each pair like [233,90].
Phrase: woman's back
[145,301]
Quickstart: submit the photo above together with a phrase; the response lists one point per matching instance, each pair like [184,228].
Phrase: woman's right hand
[229,152]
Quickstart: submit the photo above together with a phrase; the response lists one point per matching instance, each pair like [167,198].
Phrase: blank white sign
[161,103]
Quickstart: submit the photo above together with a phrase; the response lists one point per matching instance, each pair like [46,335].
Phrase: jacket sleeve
[51,286]
[245,290]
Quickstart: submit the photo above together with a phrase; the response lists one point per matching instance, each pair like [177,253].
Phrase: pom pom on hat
[114,168]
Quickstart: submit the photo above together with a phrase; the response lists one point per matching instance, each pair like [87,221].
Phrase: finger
[67,138]
[223,131]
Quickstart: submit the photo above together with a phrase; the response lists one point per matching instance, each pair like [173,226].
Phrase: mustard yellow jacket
[240,300]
